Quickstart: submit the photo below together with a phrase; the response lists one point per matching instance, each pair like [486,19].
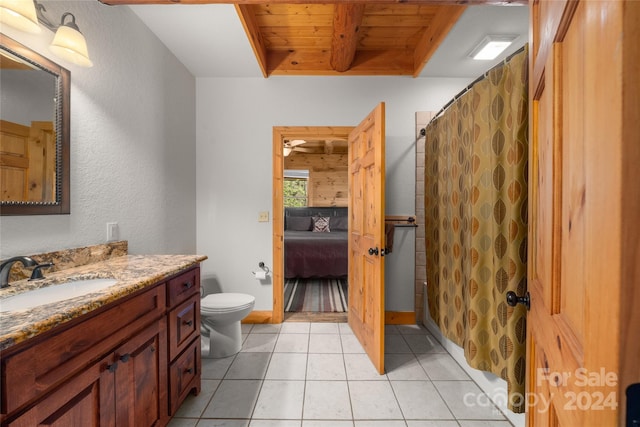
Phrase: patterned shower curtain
[476,222]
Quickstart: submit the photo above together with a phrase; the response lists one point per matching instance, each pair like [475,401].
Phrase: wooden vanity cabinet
[183,301]
[113,368]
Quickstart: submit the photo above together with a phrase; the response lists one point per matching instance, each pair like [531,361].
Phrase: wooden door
[366,234]
[583,345]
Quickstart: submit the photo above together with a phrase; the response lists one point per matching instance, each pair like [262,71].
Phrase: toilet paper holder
[261,274]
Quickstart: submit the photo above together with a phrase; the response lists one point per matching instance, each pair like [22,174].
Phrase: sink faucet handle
[36,273]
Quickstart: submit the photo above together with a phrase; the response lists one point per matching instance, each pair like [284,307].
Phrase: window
[295,188]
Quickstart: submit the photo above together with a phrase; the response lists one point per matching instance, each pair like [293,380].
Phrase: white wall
[132,141]
[235,117]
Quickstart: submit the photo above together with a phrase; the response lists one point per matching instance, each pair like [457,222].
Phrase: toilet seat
[225,302]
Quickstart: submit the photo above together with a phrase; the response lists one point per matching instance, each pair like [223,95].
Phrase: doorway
[287,141]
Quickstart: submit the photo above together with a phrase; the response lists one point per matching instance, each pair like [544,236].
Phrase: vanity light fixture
[68,42]
[20,14]
[491,46]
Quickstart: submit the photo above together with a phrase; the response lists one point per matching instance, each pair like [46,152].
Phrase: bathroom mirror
[34,132]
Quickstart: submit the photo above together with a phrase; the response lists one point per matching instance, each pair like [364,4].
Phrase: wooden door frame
[280,133]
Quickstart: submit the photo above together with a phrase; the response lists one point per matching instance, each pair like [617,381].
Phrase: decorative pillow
[299,223]
[321,224]
[339,223]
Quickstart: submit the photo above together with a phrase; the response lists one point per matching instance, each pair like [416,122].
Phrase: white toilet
[220,323]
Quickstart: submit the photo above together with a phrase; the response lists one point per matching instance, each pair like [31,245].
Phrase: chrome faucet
[5,268]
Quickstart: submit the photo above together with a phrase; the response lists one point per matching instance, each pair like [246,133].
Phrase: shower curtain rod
[423,131]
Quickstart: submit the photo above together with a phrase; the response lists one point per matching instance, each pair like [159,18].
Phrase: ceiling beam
[248,19]
[347,19]
[435,34]
[421,2]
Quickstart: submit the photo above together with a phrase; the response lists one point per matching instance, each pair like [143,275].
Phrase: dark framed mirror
[34,132]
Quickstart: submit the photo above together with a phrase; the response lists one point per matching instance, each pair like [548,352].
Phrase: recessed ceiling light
[492,46]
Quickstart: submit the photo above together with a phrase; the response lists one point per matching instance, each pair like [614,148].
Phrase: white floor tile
[385,423]
[248,366]
[419,400]
[404,367]
[318,423]
[183,422]
[411,423]
[324,328]
[246,328]
[292,343]
[412,330]
[223,423]
[469,423]
[287,366]
[441,366]
[280,400]
[395,344]
[345,329]
[350,344]
[467,401]
[327,400]
[325,367]
[261,343]
[233,399]
[391,330]
[275,423]
[303,374]
[359,367]
[423,344]
[214,369]
[372,400]
[325,343]
[266,328]
[295,328]
[193,406]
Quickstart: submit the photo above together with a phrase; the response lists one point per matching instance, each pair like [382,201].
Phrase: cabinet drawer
[34,370]
[184,376]
[184,325]
[183,286]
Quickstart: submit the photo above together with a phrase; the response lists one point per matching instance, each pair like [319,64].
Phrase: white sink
[54,293]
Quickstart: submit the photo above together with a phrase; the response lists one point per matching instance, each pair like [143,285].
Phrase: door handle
[373,251]
[513,299]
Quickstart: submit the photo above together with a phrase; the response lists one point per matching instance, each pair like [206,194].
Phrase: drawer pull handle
[112,367]
[189,371]
[188,285]
[189,322]
[153,349]
[125,357]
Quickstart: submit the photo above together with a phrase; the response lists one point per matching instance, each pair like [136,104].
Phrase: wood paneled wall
[327,177]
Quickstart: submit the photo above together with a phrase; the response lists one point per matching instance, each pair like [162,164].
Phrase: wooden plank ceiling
[346,38]
[337,37]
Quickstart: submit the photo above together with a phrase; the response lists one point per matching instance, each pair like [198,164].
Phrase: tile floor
[301,374]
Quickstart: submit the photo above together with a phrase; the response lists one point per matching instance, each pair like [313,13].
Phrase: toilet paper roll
[260,275]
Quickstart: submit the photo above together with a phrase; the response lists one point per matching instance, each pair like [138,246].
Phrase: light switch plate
[263,216]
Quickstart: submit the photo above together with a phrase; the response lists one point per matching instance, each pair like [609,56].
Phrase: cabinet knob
[125,357]
[188,285]
[189,371]
[112,367]
[189,322]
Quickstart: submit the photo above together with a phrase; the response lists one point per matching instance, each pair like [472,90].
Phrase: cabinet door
[141,378]
[86,400]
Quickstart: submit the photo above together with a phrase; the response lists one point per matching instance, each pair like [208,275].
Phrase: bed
[315,242]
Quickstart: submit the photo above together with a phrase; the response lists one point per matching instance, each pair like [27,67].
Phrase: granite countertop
[132,272]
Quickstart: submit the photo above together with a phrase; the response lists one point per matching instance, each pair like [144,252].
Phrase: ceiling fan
[294,145]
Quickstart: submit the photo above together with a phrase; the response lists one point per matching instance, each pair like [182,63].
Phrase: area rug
[317,295]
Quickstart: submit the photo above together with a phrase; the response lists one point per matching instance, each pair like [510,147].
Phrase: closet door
[583,238]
